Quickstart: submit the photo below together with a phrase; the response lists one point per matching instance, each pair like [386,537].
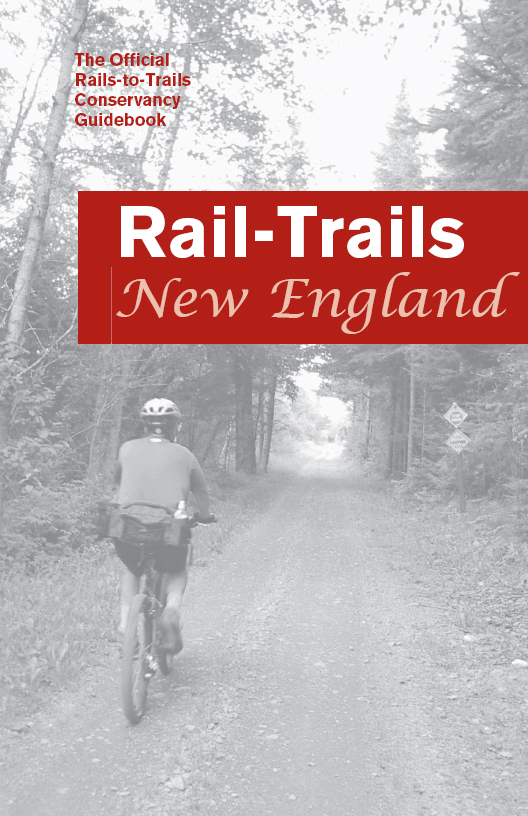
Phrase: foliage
[71,410]
[59,605]
[486,141]
[398,165]
[50,520]
[488,381]
[56,618]
[56,428]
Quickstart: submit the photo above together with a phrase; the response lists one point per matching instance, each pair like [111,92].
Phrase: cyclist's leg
[131,557]
[172,561]
[129,588]
[176,583]
[170,625]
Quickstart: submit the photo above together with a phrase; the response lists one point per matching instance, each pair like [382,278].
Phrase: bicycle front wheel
[134,681]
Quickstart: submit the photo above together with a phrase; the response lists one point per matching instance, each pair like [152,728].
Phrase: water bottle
[180,521]
[180,512]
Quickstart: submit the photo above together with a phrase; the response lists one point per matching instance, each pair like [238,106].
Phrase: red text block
[257,267]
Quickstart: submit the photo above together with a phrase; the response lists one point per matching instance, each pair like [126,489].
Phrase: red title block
[338,267]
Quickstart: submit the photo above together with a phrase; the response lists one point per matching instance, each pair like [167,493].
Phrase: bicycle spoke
[134,679]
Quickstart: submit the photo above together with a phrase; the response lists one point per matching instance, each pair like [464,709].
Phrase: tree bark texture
[173,130]
[211,440]
[412,399]
[268,417]
[368,423]
[260,427]
[392,424]
[37,221]
[400,424]
[139,158]
[124,365]
[245,435]
[404,421]
[224,453]
[23,110]
[96,453]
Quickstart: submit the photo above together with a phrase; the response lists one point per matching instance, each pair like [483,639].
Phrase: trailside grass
[59,612]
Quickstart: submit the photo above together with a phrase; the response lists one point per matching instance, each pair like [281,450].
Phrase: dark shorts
[167,559]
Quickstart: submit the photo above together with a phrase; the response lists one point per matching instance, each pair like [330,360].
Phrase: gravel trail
[307,684]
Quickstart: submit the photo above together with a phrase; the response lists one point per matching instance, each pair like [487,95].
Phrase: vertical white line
[417,232]
[111,305]
[219,238]
[240,232]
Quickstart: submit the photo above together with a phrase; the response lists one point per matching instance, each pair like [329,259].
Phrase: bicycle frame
[153,587]
[142,656]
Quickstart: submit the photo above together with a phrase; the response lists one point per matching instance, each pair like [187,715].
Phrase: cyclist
[157,470]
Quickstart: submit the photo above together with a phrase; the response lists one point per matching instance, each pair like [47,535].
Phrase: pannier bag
[145,526]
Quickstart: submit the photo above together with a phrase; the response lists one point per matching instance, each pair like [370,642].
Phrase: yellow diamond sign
[455,415]
[458,441]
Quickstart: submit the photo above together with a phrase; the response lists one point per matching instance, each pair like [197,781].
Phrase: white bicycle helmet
[160,409]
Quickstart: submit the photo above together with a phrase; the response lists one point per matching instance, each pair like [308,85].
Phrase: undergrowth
[55,617]
[59,599]
[476,563]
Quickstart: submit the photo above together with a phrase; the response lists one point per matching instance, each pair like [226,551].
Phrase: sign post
[457,442]
[461,486]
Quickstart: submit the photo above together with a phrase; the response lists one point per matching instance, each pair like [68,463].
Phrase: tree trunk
[224,453]
[210,442]
[268,415]
[392,425]
[5,415]
[245,436]
[96,452]
[22,114]
[173,130]
[261,435]
[424,418]
[366,451]
[258,418]
[404,421]
[412,398]
[114,433]
[401,424]
[139,158]
[37,221]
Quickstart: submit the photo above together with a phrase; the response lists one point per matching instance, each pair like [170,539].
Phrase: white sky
[332,407]
[352,89]
[309,380]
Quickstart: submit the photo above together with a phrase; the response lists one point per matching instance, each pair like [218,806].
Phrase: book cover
[300,225]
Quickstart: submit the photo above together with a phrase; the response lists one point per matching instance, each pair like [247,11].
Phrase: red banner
[256,267]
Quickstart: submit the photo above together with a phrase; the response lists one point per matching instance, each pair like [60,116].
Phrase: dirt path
[309,683]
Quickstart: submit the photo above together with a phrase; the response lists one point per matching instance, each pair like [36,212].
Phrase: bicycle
[142,655]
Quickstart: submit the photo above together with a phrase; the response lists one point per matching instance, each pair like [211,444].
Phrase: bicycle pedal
[151,667]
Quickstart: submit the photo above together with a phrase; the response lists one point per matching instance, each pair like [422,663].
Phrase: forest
[241,404]
[65,408]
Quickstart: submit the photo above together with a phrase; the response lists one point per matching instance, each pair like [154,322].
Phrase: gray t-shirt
[154,470]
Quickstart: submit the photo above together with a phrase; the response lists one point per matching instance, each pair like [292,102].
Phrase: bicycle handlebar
[194,520]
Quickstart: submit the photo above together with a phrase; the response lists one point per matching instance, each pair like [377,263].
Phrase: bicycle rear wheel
[134,682]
